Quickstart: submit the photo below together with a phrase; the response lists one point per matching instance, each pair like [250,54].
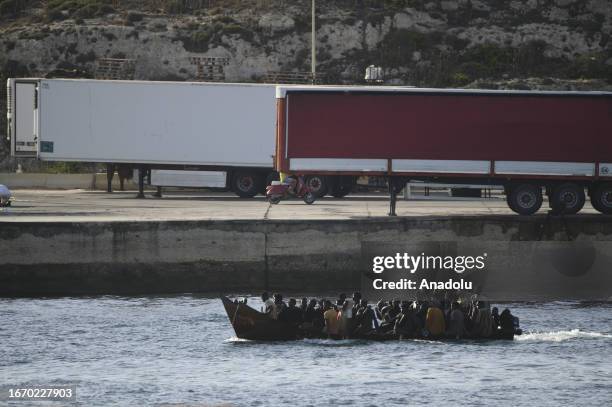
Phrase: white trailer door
[24,116]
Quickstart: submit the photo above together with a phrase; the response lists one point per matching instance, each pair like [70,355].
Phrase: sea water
[183,351]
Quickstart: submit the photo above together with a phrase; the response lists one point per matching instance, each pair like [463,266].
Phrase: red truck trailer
[527,141]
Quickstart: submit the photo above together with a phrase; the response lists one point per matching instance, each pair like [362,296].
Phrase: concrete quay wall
[65,258]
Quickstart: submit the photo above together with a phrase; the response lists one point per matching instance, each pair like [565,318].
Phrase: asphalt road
[81,205]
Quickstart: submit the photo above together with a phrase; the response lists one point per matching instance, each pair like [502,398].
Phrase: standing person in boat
[279,305]
[506,322]
[362,319]
[320,320]
[291,314]
[456,328]
[482,323]
[389,313]
[304,304]
[421,312]
[495,318]
[311,318]
[378,309]
[354,304]
[365,319]
[434,321]
[345,318]
[406,324]
[341,299]
[268,303]
[356,299]
[332,325]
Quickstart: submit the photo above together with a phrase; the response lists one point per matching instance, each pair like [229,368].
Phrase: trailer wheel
[317,184]
[601,199]
[342,186]
[524,199]
[567,198]
[341,191]
[246,185]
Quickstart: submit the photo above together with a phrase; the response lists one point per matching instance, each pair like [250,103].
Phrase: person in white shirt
[268,306]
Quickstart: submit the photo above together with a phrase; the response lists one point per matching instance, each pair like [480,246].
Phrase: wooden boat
[251,324]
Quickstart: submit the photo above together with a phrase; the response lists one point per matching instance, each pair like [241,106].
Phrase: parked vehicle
[5,196]
[527,141]
[278,191]
[226,130]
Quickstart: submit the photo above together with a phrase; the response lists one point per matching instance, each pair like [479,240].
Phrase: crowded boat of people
[355,317]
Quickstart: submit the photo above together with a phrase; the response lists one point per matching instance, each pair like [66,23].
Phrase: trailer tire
[342,186]
[318,185]
[341,191]
[567,199]
[246,185]
[601,198]
[524,199]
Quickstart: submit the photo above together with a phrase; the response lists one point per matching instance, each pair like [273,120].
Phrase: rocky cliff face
[562,43]
[440,43]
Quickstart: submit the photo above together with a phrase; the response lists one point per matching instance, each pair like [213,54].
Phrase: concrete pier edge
[214,256]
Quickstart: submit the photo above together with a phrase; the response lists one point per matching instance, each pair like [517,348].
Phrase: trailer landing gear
[141,176]
[395,186]
[110,172]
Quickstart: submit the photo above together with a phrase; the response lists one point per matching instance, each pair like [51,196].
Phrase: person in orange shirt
[332,324]
[434,321]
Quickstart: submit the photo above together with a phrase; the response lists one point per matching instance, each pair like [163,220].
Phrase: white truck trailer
[227,129]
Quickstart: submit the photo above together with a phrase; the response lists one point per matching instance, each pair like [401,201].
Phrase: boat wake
[237,340]
[560,336]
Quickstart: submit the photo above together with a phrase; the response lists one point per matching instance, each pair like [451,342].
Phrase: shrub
[133,17]
[87,57]
[12,7]
[60,9]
